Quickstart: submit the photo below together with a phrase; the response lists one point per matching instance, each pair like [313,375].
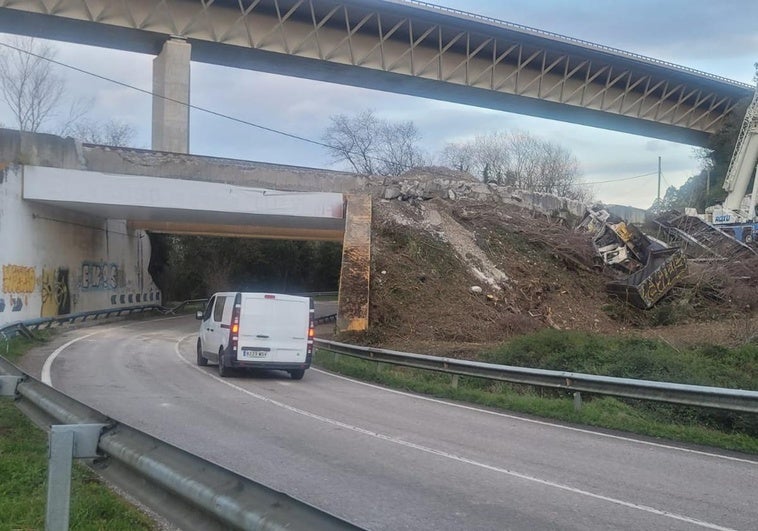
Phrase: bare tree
[352,139]
[28,82]
[491,159]
[110,133]
[459,156]
[397,150]
[484,157]
[372,146]
[521,160]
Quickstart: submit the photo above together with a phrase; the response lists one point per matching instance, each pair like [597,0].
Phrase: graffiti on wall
[663,279]
[56,297]
[18,279]
[99,276]
[16,304]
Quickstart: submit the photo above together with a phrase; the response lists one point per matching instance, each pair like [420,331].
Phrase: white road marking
[46,378]
[447,455]
[539,422]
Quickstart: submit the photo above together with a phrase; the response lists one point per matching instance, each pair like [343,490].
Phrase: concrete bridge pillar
[171,79]
[355,276]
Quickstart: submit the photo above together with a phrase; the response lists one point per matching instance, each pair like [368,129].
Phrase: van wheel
[202,361]
[223,370]
[297,374]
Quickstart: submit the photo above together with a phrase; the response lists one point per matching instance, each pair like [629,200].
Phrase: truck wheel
[202,361]
[223,370]
[297,374]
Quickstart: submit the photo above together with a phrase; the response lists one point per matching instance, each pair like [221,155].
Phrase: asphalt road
[388,460]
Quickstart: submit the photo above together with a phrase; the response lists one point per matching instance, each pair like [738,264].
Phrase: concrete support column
[171,78]
[355,276]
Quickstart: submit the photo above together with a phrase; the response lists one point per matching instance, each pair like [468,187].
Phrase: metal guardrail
[25,327]
[181,305]
[201,494]
[332,318]
[318,294]
[43,323]
[692,395]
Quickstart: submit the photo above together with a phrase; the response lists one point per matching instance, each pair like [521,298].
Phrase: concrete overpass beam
[171,79]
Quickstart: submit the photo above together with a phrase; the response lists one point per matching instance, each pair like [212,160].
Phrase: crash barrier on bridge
[673,393]
[191,492]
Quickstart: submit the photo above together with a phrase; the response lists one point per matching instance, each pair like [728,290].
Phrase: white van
[256,331]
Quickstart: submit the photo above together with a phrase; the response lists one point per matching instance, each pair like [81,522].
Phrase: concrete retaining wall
[54,261]
[628,213]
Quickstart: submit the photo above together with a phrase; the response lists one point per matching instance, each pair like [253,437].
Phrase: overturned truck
[647,269]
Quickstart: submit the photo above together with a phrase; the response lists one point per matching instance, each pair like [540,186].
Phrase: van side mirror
[199,315]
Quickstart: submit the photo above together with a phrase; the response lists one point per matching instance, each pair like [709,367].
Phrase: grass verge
[681,423]
[12,349]
[23,476]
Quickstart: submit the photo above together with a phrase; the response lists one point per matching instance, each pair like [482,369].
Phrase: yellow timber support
[355,276]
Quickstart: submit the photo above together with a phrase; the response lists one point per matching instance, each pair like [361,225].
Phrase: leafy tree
[372,146]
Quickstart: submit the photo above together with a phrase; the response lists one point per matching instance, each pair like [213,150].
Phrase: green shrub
[643,359]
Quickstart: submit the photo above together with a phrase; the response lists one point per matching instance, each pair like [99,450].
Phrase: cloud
[694,33]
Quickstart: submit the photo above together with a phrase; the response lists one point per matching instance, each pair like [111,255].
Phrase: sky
[716,37]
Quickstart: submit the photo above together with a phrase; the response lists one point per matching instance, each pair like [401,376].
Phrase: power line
[233,118]
[153,94]
[620,180]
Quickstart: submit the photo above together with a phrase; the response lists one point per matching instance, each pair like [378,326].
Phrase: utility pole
[659,179]
[707,183]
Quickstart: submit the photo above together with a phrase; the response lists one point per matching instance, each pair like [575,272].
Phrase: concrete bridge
[73,227]
[400,46]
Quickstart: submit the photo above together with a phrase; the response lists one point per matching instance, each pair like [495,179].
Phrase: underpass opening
[192,266]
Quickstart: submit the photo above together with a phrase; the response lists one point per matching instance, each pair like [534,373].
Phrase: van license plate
[252,354]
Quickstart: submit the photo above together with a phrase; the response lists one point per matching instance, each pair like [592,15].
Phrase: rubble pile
[465,271]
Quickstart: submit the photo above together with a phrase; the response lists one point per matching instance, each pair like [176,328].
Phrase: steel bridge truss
[514,68]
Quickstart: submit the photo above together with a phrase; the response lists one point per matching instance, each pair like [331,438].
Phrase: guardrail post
[8,384]
[577,401]
[67,441]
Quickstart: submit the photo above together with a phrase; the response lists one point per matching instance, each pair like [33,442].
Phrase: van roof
[261,293]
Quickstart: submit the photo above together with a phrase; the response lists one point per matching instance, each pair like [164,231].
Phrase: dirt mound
[452,277]
[472,272]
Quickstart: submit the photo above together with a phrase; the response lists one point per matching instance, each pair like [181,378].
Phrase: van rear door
[274,328]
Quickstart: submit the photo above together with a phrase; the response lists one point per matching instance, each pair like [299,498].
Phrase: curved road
[389,460]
